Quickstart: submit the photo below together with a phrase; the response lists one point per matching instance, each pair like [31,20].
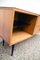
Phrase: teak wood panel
[30,28]
[1,22]
[26,12]
[37,26]
[19,36]
[8,16]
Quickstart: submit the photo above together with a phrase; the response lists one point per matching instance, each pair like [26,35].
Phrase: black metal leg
[3,42]
[12,50]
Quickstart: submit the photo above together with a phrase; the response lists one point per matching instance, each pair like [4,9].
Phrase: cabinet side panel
[7,24]
[37,26]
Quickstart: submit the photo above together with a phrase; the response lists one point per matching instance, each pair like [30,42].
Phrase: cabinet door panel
[1,21]
[7,24]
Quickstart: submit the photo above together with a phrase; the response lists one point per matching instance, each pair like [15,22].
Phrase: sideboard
[17,25]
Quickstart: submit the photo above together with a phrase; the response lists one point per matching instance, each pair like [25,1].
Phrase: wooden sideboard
[17,25]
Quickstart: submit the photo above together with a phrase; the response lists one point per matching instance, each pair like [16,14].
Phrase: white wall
[28,5]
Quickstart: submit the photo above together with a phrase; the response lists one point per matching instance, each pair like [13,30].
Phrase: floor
[26,50]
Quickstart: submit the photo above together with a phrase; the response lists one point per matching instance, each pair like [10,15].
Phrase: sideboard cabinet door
[1,21]
[7,24]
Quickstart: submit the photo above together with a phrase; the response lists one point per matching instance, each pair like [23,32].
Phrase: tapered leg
[3,42]
[12,50]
